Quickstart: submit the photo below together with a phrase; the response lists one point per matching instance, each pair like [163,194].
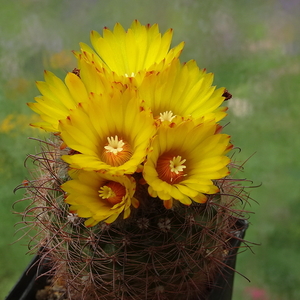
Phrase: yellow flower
[99,196]
[122,59]
[111,132]
[184,161]
[130,53]
[59,97]
[182,90]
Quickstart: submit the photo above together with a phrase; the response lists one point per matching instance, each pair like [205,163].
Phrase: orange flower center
[113,192]
[170,168]
[116,151]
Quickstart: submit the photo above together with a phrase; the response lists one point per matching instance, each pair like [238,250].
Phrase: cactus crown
[132,199]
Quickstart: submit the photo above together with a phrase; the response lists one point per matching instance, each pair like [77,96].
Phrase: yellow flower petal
[76,88]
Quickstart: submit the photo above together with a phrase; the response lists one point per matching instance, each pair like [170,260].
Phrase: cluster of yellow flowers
[131,107]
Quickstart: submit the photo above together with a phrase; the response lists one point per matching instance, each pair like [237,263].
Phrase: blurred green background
[253,47]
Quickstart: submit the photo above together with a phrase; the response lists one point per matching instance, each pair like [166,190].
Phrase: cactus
[130,197]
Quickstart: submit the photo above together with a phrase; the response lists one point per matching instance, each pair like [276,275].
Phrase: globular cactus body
[132,198]
[154,254]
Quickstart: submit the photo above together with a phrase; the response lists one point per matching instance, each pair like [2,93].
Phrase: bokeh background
[253,47]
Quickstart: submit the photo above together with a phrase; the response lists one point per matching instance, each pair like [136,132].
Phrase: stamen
[167,116]
[170,168]
[132,74]
[106,192]
[116,152]
[177,165]
[113,192]
[114,145]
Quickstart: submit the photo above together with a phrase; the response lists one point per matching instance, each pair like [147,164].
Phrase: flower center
[170,168]
[177,165]
[114,145]
[167,116]
[113,192]
[117,151]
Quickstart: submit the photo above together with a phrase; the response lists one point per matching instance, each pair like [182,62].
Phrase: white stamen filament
[132,74]
[177,165]
[167,116]
[114,145]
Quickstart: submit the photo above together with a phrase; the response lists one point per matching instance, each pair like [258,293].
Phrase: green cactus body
[153,254]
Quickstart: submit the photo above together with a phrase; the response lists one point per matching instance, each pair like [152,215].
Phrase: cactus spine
[154,254]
